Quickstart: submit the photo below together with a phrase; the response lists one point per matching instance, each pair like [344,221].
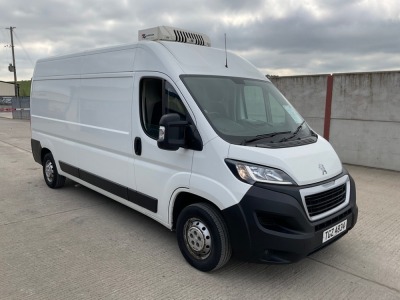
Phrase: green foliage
[24,88]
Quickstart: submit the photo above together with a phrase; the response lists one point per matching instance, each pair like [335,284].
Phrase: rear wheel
[50,173]
[203,237]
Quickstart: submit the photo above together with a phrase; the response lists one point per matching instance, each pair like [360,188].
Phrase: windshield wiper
[263,136]
[294,133]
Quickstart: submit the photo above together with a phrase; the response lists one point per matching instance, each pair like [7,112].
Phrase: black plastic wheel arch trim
[36,151]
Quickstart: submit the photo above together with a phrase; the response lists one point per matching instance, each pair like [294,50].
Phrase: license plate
[334,231]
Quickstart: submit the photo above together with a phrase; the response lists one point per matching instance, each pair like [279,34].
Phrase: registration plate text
[334,231]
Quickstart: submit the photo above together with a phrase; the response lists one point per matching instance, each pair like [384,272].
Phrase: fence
[21,108]
[358,112]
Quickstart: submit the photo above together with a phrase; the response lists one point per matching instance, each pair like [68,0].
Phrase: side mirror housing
[175,133]
[171,135]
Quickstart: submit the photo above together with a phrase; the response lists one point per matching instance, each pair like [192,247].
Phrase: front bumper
[270,224]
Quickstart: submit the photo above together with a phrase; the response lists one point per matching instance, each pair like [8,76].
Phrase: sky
[280,37]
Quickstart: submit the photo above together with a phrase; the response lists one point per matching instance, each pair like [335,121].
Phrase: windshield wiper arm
[263,136]
[294,133]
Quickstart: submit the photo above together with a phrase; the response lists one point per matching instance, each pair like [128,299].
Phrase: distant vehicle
[197,139]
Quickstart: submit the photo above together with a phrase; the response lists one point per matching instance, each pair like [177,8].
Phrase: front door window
[158,97]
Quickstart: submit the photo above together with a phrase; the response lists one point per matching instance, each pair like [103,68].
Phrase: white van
[197,139]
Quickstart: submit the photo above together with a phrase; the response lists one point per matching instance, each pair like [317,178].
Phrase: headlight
[251,173]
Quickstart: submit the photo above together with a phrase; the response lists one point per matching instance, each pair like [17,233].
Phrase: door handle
[137,145]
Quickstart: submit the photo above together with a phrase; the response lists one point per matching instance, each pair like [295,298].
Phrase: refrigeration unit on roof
[166,33]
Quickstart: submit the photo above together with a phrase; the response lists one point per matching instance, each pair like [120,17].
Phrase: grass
[24,88]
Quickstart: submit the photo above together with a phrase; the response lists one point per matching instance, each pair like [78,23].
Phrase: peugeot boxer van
[197,139]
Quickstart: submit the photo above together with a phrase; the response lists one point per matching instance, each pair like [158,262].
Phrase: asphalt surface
[74,243]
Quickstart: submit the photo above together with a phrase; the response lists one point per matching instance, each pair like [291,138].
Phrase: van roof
[164,56]
[195,59]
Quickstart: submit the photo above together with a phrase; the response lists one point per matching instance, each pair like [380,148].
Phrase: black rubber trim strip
[104,184]
[142,200]
[69,169]
[124,192]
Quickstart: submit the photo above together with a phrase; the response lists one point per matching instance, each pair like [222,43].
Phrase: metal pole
[328,107]
[13,57]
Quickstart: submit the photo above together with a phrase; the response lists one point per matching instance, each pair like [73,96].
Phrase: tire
[50,173]
[203,237]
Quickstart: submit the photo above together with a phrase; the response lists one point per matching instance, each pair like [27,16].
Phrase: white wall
[7,89]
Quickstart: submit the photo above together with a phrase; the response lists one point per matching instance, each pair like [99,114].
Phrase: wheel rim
[49,171]
[197,238]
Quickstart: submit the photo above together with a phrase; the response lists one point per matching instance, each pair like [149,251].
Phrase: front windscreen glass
[248,111]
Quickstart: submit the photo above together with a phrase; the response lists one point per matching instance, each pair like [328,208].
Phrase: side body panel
[82,112]
[88,126]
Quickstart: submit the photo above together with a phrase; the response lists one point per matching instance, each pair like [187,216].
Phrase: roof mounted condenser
[166,33]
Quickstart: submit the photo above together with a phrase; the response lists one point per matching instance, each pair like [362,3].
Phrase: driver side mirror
[174,133]
[171,134]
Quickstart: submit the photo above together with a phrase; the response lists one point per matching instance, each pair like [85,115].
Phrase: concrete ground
[73,243]
[6,114]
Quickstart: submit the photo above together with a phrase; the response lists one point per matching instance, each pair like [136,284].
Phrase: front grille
[325,201]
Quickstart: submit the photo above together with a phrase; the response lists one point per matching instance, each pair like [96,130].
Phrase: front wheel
[50,173]
[203,237]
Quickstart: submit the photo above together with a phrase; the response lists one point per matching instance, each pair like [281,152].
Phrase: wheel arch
[38,151]
[43,153]
[40,146]
[184,199]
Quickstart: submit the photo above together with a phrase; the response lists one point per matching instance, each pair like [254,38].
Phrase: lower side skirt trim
[124,192]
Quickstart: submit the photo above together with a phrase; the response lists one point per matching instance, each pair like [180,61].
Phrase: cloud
[279,37]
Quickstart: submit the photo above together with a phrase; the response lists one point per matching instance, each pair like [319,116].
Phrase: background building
[7,89]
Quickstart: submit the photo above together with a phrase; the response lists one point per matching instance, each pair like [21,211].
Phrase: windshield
[247,111]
